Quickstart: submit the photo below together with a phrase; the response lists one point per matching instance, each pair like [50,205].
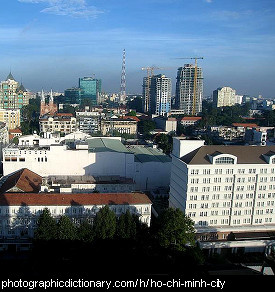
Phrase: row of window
[209,180]
[72,210]
[236,221]
[232,171]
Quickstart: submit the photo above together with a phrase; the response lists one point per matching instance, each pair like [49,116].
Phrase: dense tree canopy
[46,226]
[212,116]
[66,230]
[175,229]
[165,142]
[105,224]
[30,117]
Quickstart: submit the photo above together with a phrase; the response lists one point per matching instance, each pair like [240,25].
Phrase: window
[224,160]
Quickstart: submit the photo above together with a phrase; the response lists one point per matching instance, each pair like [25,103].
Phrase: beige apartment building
[11,117]
[123,125]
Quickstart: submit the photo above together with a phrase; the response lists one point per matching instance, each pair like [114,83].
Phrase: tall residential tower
[189,89]
[161,92]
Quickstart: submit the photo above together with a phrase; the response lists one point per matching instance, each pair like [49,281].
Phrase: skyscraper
[90,88]
[160,95]
[146,92]
[189,89]
[13,95]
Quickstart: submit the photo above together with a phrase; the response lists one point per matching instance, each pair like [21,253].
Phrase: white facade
[160,95]
[166,124]
[60,160]
[21,220]
[47,157]
[225,96]
[216,190]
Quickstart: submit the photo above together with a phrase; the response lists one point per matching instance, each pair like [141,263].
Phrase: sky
[51,43]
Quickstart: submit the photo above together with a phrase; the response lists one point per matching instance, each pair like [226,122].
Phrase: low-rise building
[89,121]
[19,212]
[96,156]
[122,125]
[14,133]
[190,121]
[255,136]
[87,184]
[166,124]
[59,122]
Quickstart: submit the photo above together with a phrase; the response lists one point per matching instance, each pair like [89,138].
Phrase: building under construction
[189,89]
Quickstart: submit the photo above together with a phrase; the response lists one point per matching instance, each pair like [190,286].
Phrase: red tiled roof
[245,125]
[24,179]
[16,130]
[64,114]
[57,199]
[130,117]
[191,118]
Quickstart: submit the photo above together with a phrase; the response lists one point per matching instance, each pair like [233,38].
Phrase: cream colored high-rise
[11,117]
[224,96]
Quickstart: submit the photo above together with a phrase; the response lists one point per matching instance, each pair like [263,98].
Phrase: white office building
[224,188]
[106,156]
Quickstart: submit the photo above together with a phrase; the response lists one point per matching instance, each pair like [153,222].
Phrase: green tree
[85,231]
[132,114]
[175,229]
[145,126]
[126,226]
[66,230]
[46,226]
[165,142]
[136,104]
[104,224]
[30,117]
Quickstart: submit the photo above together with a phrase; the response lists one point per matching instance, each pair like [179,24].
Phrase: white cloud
[209,1]
[73,8]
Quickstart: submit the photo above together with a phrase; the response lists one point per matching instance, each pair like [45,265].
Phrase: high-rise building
[222,188]
[224,96]
[72,95]
[159,91]
[11,117]
[13,95]
[146,93]
[90,88]
[188,92]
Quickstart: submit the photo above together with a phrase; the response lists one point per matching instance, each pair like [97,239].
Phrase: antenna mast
[123,79]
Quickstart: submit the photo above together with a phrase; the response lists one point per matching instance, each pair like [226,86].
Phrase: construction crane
[195,83]
[150,73]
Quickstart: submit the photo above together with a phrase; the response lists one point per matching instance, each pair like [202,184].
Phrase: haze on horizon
[51,43]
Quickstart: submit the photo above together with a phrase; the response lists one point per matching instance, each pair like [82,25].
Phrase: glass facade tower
[90,88]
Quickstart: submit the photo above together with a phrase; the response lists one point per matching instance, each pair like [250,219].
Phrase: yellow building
[11,117]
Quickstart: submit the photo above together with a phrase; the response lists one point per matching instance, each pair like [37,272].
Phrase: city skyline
[51,43]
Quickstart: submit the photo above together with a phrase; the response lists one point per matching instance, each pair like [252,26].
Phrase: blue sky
[51,43]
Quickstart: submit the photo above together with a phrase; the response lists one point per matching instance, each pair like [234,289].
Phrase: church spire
[42,96]
[51,96]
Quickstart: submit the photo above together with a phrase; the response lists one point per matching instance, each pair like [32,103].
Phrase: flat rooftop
[148,154]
